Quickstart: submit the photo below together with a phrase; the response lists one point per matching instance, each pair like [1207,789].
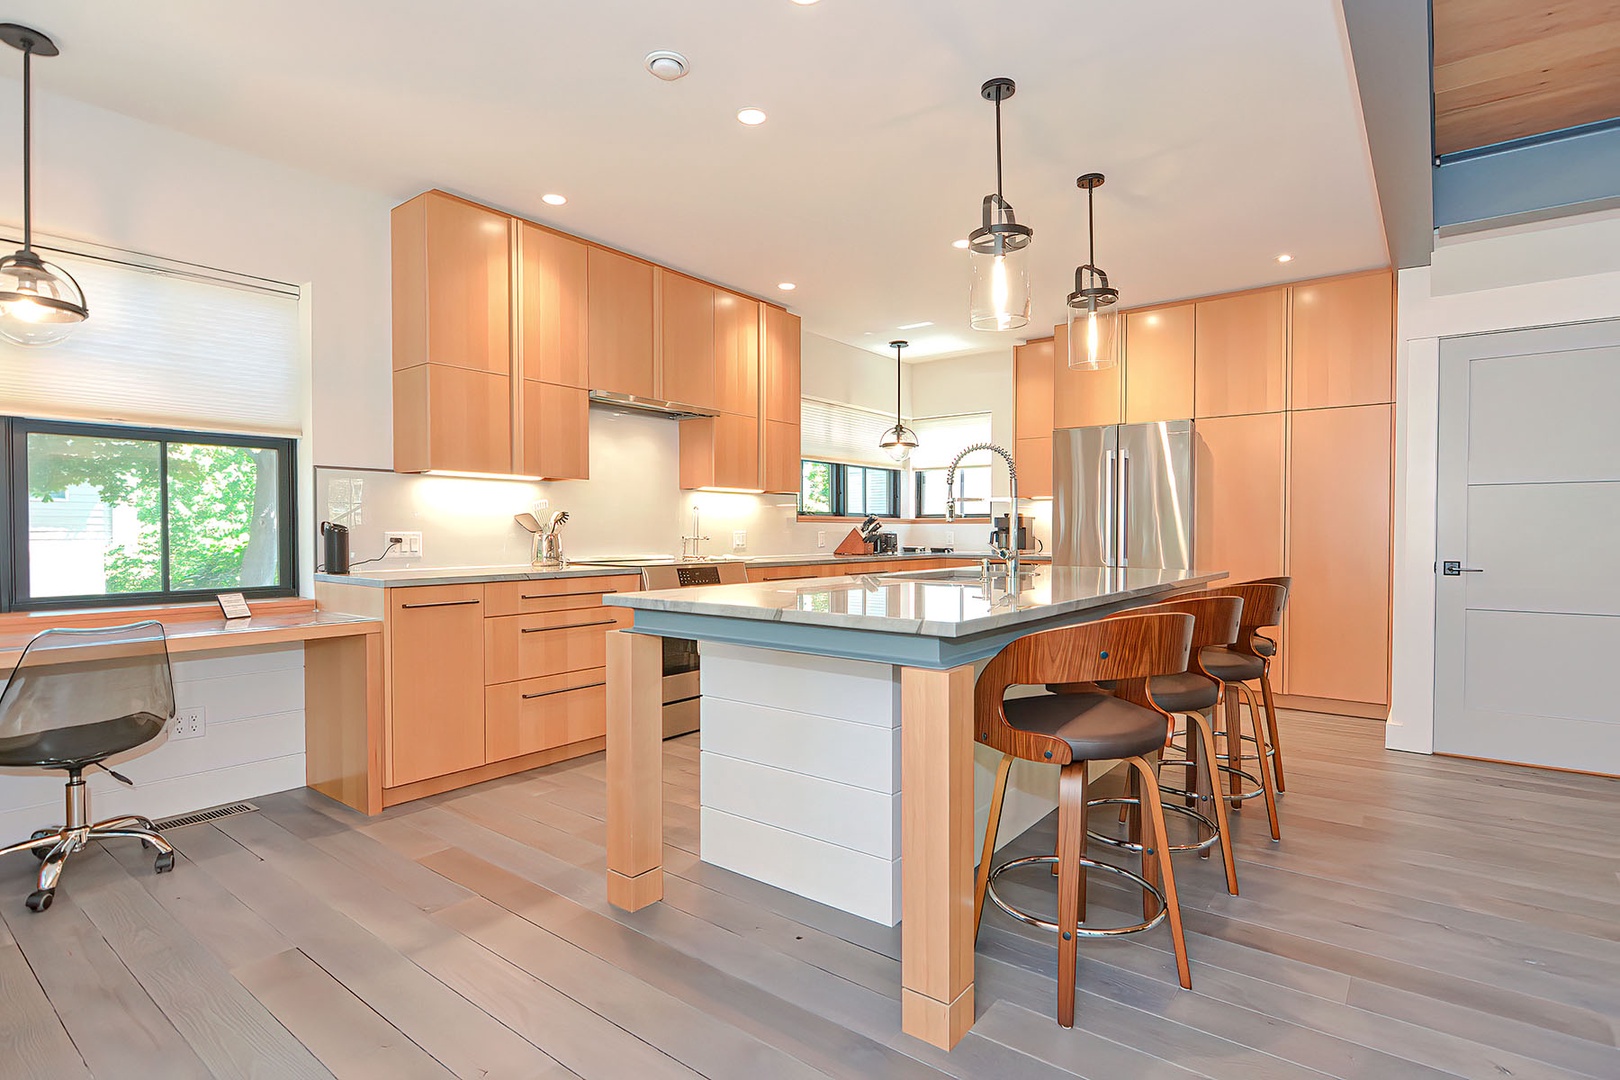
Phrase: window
[106,514]
[972,491]
[839,490]
[941,438]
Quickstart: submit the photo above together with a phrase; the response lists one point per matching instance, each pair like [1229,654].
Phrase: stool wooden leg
[1259,725]
[1207,782]
[1271,726]
[982,883]
[1234,743]
[1071,882]
[1156,834]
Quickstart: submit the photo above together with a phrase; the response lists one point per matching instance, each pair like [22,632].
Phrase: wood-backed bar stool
[1192,693]
[1236,666]
[1070,730]
[1266,647]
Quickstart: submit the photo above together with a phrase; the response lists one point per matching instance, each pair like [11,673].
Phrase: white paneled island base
[801,776]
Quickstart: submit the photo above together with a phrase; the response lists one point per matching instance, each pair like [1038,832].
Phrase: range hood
[671,410]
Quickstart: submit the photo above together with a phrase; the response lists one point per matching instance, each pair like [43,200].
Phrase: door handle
[1454,568]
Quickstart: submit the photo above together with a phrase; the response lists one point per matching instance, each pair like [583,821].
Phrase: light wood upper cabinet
[736,365]
[436,665]
[1343,351]
[1082,398]
[1159,364]
[783,471]
[1034,458]
[619,298]
[1032,389]
[453,419]
[721,452]
[556,432]
[1238,495]
[553,316]
[781,366]
[452,283]
[1240,343]
[1339,494]
[686,330]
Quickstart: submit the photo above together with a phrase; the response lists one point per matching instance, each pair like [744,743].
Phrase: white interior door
[1527,618]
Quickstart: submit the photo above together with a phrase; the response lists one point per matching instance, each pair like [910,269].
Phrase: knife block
[853,545]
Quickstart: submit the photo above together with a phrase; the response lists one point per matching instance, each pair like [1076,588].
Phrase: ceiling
[1229,133]
[1506,69]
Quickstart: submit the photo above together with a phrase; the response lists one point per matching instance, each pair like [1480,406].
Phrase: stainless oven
[682,693]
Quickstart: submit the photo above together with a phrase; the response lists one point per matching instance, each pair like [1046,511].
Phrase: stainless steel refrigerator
[1123,495]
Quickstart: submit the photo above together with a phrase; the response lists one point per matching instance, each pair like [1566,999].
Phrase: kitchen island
[823,701]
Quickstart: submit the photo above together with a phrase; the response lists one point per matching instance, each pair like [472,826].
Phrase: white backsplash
[632,504]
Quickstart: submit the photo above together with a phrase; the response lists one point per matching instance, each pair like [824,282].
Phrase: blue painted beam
[1545,172]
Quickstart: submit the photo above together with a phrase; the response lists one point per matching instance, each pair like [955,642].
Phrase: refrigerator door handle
[1122,541]
[1110,508]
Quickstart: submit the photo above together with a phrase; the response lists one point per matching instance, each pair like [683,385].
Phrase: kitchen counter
[824,558]
[466,575]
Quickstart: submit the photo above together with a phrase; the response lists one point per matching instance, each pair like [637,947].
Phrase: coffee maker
[998,537]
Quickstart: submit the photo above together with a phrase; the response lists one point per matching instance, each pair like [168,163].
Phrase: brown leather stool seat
[1097,727]
[1265,646]
[1232,667]
[1185,692]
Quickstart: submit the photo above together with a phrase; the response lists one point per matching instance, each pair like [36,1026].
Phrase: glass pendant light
[1094,338]
[40,304]
[999,247]
[899,441]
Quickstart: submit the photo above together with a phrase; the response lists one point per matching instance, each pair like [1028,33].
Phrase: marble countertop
[465,575]
[921,604]
[828,558]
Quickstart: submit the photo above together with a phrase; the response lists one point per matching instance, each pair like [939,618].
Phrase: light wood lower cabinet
[541,714]
[436,663]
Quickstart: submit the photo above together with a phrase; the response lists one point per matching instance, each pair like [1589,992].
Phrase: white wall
[1538,275]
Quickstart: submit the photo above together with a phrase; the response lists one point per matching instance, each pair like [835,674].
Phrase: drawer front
[548,643]
[554,594]
[538,714]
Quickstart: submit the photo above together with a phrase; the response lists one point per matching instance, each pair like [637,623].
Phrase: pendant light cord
[999,195]
[897,421]
[1091,229]
[28,142]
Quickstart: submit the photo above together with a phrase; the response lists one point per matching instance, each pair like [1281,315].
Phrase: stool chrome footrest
[1082,930]
[1209,831]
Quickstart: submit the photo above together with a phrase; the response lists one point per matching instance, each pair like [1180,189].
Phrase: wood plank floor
[1422,917]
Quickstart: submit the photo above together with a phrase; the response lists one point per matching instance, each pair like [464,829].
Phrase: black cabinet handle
[564,690]
[443,603]
[569,626]
[556,595]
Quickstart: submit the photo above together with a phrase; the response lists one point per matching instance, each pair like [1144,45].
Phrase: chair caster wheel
[164,862]
[40,899]
[44,849]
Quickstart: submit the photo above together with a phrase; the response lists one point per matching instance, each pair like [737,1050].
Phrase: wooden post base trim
[635,893]
[935,1022]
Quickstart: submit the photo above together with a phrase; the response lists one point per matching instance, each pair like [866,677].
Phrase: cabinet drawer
[538,714]
[548,643]
[555,594]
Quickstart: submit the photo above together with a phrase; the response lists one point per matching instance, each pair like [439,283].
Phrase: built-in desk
[342,675]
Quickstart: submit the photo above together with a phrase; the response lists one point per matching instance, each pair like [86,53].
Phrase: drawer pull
[443,603]
[569,626]
[564,690]
[556,595]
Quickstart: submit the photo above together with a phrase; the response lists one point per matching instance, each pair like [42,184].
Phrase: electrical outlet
[821,538]
[408,544]
[950,537]
[188,723]
[739,539]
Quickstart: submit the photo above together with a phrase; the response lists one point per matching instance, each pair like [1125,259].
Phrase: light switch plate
[407,544]
[739,539]
[821,538]
[950,537]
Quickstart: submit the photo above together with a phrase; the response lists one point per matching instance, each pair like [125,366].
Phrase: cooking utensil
[528,521]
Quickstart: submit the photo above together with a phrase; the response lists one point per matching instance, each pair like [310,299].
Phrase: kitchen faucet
[696,538]
[1008,555]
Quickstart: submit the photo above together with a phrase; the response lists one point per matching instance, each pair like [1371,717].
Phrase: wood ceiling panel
[1505,69]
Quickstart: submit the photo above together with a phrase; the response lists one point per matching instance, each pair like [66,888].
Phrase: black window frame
[840,489]
[14,432]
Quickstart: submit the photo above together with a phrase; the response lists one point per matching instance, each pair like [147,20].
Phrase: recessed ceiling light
[751,116]
[786,286]
[914,326]
[667,65]
[806,3]
[553,200]
[959,245]
[1285,258]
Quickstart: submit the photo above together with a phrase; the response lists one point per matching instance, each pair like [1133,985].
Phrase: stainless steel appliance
[886,543]
[682,694]
[1123,495]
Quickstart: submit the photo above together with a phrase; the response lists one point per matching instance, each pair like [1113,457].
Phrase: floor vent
[200,816]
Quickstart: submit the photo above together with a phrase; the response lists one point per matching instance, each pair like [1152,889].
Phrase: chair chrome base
[53,846]
[1210,832]
[1082,930]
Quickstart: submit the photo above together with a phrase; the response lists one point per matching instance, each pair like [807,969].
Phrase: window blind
[165,349]
[831,431]
[940,438]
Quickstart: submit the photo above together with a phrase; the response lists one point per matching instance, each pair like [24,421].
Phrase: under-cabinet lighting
[482,475]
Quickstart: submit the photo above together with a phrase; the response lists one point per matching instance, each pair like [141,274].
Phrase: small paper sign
[234,607]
